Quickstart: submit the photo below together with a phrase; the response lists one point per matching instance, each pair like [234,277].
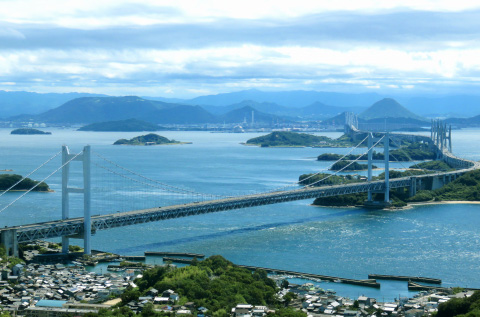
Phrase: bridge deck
[74,226]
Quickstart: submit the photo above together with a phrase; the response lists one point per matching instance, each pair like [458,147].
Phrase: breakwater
[405,278]
[177,260]
[159,253]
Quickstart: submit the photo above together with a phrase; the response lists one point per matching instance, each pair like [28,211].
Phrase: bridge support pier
[413,187]
[8,239]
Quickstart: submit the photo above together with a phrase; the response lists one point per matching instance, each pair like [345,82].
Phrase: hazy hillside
[14,103]
[267,107]
[245,114]
[464,122]
[450,105]
[294,99]
[100,109]
[388,108]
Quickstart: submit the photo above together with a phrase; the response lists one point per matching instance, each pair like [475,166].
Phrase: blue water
[440,241]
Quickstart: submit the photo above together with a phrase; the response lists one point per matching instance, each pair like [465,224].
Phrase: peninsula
[148,139]
[28,131]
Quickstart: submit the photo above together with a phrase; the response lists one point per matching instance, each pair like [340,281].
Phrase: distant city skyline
[193,48]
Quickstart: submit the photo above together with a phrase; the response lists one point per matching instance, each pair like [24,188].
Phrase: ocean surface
[440,241]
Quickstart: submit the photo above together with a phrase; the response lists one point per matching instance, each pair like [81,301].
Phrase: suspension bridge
[84,227]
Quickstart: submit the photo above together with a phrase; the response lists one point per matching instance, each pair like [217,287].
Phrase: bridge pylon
[84,157]
[386,153]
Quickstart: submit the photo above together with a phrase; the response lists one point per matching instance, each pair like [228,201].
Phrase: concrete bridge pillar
[8,238]
[413,187]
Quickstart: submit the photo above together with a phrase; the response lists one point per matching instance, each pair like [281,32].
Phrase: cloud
[138,47]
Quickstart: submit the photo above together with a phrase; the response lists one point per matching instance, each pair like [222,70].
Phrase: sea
[439,241]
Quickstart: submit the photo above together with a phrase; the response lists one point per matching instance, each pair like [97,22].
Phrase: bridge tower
[84,157]
[441,136]
[386,151]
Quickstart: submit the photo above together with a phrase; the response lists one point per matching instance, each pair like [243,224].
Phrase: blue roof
[50,303]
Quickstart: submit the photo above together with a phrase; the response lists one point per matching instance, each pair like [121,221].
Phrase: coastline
[411,205]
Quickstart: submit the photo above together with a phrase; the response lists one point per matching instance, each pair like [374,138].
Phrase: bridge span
[75,227]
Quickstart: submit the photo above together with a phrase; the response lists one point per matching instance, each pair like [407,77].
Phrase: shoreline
[411,205]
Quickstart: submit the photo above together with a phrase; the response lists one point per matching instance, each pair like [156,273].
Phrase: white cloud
[92,14]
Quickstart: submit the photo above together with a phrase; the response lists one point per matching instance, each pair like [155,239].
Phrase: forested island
[349,166]
[465,188]
[148,139]
[28,131]
[7,180]
[409,152]
[295,139]
[129,125]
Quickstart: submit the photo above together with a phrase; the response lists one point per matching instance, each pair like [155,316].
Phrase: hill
[148,139]
[29,131]
[101,109]
[293,99]
[288,139]
[267,107]
[129,125]
[464,122]
[8,180]
[245,114]
[318,110]
[14,103]
[388,108]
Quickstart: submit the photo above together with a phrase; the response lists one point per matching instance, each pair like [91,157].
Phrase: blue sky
[191,48]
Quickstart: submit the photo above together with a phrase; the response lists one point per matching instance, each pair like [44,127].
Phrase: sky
[187,48]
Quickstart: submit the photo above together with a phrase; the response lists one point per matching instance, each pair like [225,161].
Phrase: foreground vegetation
[7,180]
[214,283]
[462,307]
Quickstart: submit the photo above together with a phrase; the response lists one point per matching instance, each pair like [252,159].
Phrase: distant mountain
[320,111]
[442,106]
[388,108]
[100,109]
[129,125]
[13,103]
[267,107]
[292,99]
[245,114]
[464,122]
[338,120]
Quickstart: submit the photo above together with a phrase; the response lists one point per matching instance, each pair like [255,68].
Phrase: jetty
[177,260]
[133,257]
[190,255]
[405,278]
[367,283]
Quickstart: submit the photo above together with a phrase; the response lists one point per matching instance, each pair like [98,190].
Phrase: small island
[406,153]
[349,166]
[289,139]
[148,139]
[129,125]
[7,181]
[28,131]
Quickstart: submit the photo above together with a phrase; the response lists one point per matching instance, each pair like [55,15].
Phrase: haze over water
[440,241]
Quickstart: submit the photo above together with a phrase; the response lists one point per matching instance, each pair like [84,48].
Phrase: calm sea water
[440,241]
